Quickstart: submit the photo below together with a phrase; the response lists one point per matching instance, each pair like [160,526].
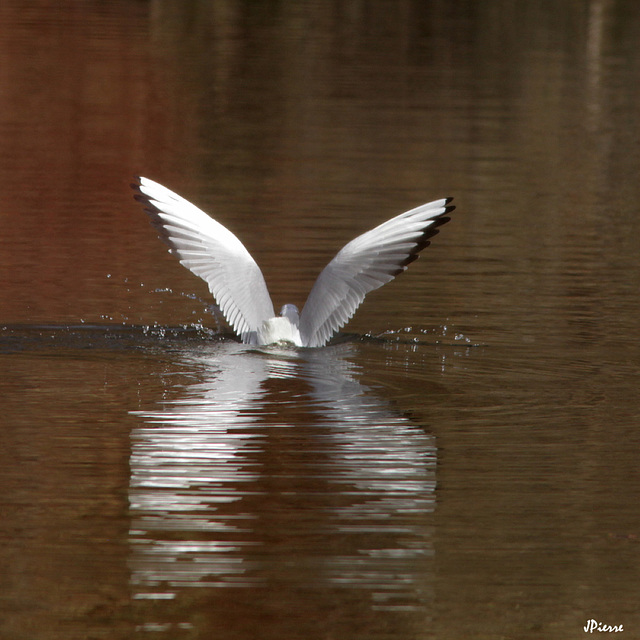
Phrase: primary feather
[216,255]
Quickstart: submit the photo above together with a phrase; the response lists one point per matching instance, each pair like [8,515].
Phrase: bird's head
[290,311]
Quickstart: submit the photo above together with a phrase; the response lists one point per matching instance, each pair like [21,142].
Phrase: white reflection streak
[187,460]
[388,463]
[375,449]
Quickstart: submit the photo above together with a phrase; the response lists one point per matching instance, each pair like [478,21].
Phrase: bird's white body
[215,254]
[279,329]
[282,328]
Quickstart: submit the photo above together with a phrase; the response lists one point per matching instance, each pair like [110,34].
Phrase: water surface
[462,463]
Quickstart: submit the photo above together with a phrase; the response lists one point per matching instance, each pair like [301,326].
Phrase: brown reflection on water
[71,105]
[64,520]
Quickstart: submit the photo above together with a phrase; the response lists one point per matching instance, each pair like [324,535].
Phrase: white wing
[212,252]
[366,263]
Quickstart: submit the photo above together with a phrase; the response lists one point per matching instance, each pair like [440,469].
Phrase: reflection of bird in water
[215,254]
[258,454]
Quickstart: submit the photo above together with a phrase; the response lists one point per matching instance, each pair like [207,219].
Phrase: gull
[212,252]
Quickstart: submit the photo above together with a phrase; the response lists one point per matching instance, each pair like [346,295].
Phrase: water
[463,462]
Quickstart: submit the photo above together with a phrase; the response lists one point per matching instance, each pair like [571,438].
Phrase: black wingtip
[136,185]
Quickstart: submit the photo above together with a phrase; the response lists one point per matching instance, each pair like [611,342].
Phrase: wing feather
[213,253]
[364,264]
